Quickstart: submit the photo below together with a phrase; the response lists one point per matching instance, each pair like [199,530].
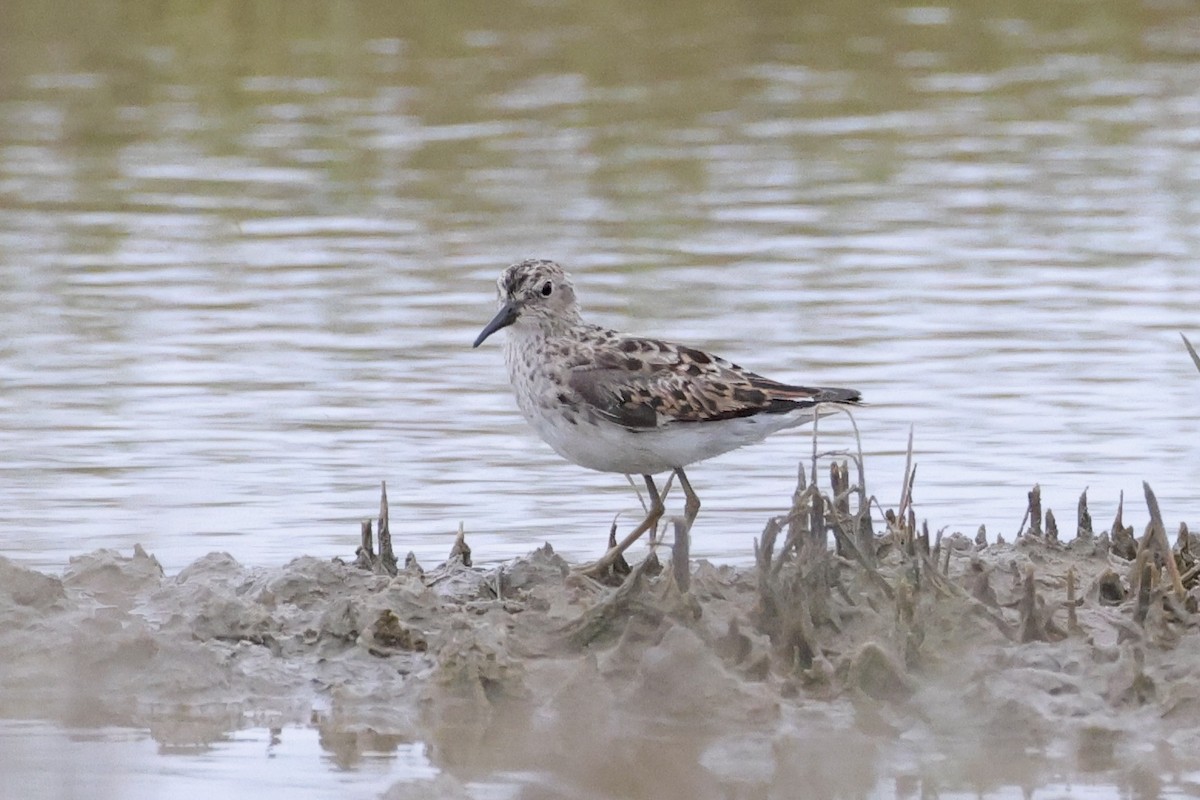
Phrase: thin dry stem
[1191,351]
[815,435]
[909,476]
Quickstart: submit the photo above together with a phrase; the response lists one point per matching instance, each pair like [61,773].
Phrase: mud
[956,664]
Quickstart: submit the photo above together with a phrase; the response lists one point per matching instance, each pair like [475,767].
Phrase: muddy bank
[951,663]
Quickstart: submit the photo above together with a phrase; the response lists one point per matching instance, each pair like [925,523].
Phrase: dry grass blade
[857,458]
[1160,537]
[909,475]
[796,520]
[1191,351]
[862,516]
[859,547]
[815,436]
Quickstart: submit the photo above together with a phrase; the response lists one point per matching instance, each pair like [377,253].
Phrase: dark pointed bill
[506,316]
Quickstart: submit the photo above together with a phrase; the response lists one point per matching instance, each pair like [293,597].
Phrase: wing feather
[644,384]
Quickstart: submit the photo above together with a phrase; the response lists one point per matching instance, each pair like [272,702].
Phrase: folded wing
[651,384]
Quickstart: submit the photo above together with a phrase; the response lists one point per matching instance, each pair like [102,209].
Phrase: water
[244,251]
[299,762]
[290,762]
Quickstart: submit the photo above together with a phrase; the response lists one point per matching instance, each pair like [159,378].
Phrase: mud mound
[956,663]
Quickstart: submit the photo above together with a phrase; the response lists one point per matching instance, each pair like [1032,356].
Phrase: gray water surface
[241,265]
[242,261]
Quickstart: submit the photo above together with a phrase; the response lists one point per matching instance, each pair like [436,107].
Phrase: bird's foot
[613,570]
[610,569]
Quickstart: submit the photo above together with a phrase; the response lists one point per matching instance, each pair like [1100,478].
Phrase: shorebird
[613,402]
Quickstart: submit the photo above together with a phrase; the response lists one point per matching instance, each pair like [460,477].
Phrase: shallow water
[129,764]
[244,251]
[295,762]
[238,282]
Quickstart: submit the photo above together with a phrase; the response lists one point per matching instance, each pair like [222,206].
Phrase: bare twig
[1191,351]
[909,475]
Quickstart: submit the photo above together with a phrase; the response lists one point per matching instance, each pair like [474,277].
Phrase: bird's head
[533,292]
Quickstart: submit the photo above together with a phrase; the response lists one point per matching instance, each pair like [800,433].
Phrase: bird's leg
[655,537]
[602,566]
[691,506]
[683,530]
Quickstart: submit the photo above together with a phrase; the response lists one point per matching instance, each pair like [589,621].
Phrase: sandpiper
[614,402]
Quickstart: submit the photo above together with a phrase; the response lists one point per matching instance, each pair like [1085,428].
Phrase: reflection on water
[244,251]
[103,763]
[239,274]
[293,762]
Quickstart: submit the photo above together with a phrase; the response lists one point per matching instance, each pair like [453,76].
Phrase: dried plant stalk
[1191,351]
[1159,532]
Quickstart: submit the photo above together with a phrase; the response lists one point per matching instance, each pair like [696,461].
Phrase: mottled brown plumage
[619,403]
[645,383]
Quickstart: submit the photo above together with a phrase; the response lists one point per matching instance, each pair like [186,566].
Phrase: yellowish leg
[604,564]
[692,505]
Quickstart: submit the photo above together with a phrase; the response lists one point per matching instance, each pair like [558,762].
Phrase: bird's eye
[547,288]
